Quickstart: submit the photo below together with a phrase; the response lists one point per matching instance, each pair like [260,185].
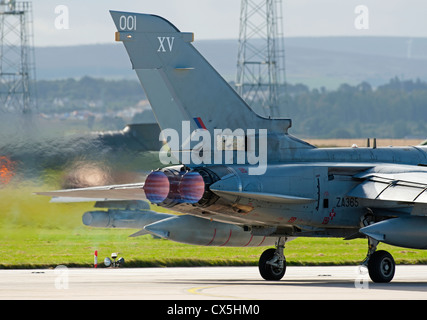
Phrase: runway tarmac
[211,283]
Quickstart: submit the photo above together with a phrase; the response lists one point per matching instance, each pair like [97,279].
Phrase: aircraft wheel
[269,268]
[381,267]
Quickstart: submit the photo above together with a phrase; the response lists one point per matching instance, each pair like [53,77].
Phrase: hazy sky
[90,22]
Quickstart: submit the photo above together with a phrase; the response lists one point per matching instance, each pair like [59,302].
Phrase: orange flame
[6,170]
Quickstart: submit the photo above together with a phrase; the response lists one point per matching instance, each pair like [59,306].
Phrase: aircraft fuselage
[314,184]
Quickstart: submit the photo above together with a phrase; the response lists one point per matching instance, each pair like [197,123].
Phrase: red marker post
[96,259]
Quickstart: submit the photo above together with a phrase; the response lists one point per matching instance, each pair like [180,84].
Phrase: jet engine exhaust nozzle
[192,187]
[171,187]
[157,187]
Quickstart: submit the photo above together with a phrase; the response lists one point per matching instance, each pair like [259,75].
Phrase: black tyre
[381,267]
[267,271]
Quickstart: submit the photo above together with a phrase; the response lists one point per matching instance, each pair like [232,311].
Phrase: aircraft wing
[392,184]
[132,191]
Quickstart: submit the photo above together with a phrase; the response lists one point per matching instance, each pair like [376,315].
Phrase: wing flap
[402,187]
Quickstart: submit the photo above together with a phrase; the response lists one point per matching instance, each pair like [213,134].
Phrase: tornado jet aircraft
[240,179]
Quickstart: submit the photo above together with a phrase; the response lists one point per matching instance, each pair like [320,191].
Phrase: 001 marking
[127,23]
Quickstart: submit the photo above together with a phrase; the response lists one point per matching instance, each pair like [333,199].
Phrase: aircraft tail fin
[183,87]
[179,82]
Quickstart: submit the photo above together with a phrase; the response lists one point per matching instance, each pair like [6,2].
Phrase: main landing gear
[380,264]
[272,263]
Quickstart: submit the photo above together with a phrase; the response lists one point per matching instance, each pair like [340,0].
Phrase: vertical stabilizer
[179,82]
[181,85]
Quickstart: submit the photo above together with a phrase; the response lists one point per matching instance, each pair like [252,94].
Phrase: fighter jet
[241,179]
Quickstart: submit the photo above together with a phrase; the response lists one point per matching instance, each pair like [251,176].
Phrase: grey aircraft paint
[378,193]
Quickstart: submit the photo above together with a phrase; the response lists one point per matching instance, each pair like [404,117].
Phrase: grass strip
[37,234]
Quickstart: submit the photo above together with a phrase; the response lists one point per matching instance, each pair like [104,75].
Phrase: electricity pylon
[17,62]
[261,56]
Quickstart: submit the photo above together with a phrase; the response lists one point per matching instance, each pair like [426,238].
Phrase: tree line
[397,109]
[87,93]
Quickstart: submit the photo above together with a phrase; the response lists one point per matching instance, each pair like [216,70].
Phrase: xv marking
[168,44]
